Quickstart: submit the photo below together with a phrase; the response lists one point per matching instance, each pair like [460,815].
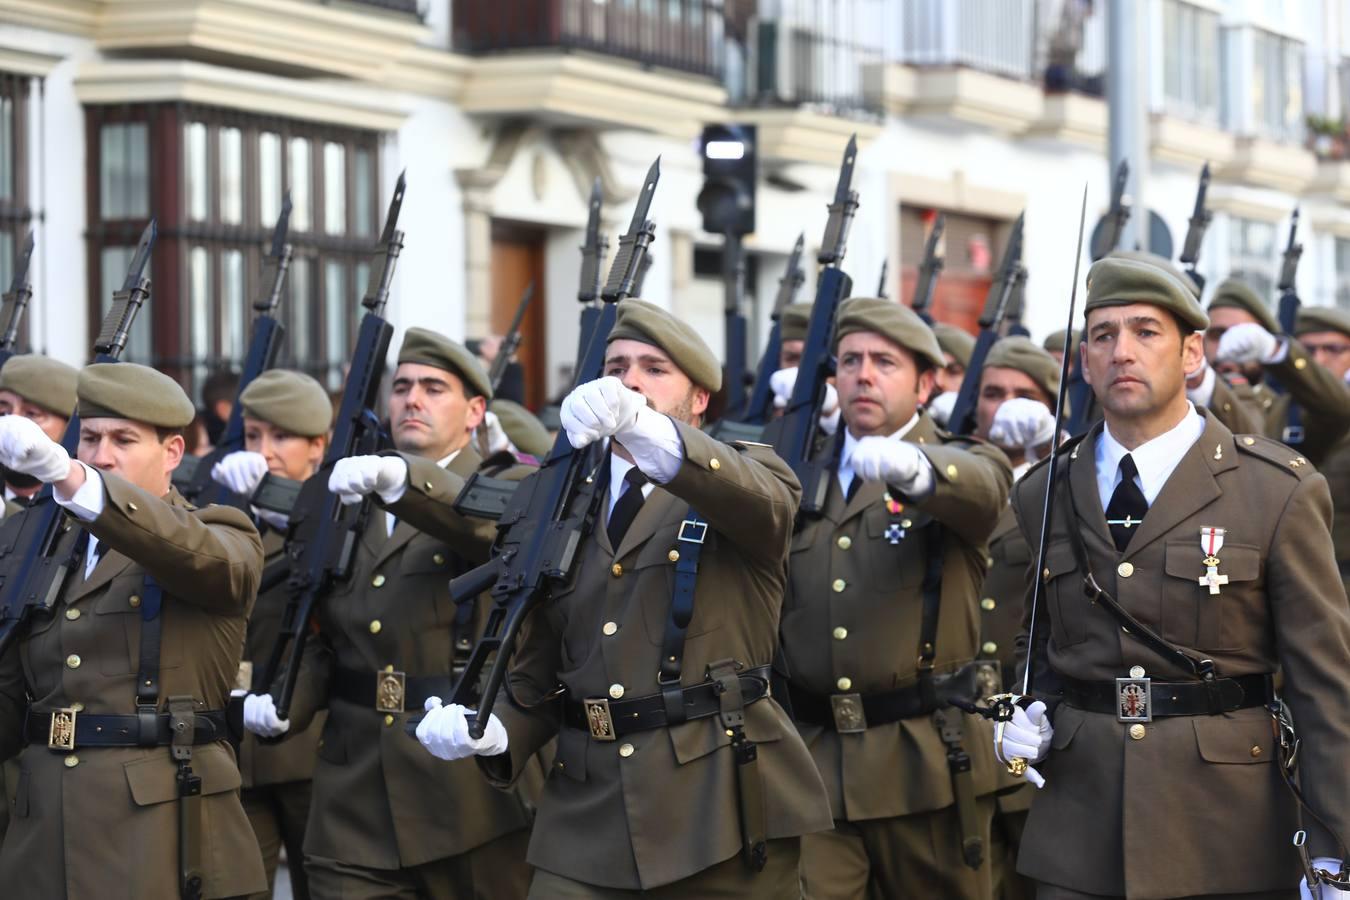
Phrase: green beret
[525,431]
[130,391]
[642,321]
[41,381]
[956,341]
[1114,281]
[425,347]
[1161,262]
[1235,293]
[1310,318]
[1022,354]
[292,401]
[893,321]
[793,322]
[1054,343]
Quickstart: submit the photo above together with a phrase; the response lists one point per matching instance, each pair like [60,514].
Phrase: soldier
[287,416]
[793,323]
[1211,572]
[889,574]
[957,346]
[516,429]
[385,818]
[43,390]
[646,793]
[139,653]
[1054,344]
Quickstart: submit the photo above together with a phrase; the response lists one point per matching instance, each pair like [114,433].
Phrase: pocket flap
[1184,559]
[1067,721]
[426,560]
[697,739]
[154,779]
[116,598]
[1059,559]
[1245,740]
[570,757]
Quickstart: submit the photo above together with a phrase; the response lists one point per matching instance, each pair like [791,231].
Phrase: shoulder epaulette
[1278,455]
[751,445]
[1067,447]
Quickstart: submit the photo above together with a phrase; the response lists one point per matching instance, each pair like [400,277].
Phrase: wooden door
[518,259]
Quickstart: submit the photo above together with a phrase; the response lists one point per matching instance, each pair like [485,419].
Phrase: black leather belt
[853,713]
[71,729]
[608,719]
[387,691]
[1142,699]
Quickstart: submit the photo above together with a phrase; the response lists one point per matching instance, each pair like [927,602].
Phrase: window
[1343,273]
[1277,86]
[15,212]
[1251,255]
[1190,61]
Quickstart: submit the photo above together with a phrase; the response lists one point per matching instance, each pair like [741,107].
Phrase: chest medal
[898,526]
[1211,542]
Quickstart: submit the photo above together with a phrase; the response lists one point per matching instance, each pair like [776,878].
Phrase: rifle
[193,476]
[323,531]
[995,308]
[1116,217]
[1289,302]
[15,301]
[592,258]
[552,511]
[881,285]
[761,398]
[929,270]
[511,342]
[734,329]
[795,443]
[31,587]
[1012,321]
[1195,231]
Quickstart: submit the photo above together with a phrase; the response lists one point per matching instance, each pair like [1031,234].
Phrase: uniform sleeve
[1238,415]
[211,558]
[970,489]
[1324,398]
[428,506]
[533,676]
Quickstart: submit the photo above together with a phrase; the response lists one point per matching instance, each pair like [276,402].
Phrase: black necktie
[852,488]
[1127,508]
[83,542]
[626,509]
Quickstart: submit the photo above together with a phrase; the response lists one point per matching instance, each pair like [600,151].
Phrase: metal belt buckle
[598,720]
[693,531]
[61,734]
[1134,700]
[390,690]
[849,717]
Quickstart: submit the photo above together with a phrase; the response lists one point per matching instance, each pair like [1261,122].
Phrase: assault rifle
[1012,320]
[1288,316]
[929,270]
[511,341]
[1116,217]
[592,259]
[881,285]
[34,580]
[323,531]
[734,327]
[761,398]
[1195,231]
[15,301]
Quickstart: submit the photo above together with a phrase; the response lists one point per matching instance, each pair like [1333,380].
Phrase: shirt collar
[1155,459]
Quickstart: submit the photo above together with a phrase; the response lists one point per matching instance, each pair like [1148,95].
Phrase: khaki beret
[1234,293]
[956,341]
[794,321]
[1114,281]
[425,347]
[1310,318]
[42,381]
[131,391]
[1022,354]
[642,321]
[523,428]
[289,400]
[1161,262]
[893,321]
[1054,343]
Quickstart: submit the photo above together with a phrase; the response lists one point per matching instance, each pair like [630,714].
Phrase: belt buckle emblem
[849,717]
[390,690]
[1134,700]
[61,734]
[599,720]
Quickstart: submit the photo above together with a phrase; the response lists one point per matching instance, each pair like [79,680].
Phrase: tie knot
[1128,470]
[635,478]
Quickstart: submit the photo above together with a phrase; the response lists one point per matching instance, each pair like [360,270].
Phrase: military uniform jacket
[380,800]
[1005,586]
[852,616]
[1323,398]
[1194,805]
[103,822]
[1336,468]
[660,805]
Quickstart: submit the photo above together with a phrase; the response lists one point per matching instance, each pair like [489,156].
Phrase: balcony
[402,7]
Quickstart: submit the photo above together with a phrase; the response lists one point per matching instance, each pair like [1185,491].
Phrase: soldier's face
[292,456]
[1136,359]
[1220,320]
[1329,349]
[429,411]
[949,377]
[790,354]
[647,369]
[52,425]
[132,451]
[998,385]
[879,383]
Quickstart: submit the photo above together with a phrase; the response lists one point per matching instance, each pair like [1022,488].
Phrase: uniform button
[951,471]
[1256,751]
[673,556]
[375,626]
[844,683]
[427,485]
[615,691]
[625,750]
[610,628]
[439,559]
[1125,570]
[1249,441]
[714,464]
[388,720]
[133,601]
[839,585]
[840,633]
[1045,573]
[987,604]
[77,707]
[132,506]
[377,581]
[1137,732]
[844,542]
[72,761]
[616,570]
[72,614]
[1300,364]
[989,648]
[73,661]
[1136,671]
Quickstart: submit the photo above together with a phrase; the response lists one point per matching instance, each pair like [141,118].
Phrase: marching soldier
[1054,344]
[793,323]
[127,784]
[385,818]
[1208,567]
[287,416]
[676,774]
[887,576]
[41,389]
[957,346]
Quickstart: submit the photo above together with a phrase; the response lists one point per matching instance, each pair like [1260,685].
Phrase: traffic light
[730,167]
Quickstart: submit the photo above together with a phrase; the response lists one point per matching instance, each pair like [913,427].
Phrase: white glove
[784,382]
[356,476]
[496,438]
[444,731]
[1324,891]
[240,471]
[897,463]
[1248,342]
[25,447]
[599,409]
[940,408]
[1022,422]
[1026,737]
[260,716]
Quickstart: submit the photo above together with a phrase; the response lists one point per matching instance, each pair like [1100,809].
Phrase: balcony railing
[996,36]
[686,35]
[794,66]
[406,7]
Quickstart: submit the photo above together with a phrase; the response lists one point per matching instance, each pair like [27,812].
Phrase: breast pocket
[655,570]
[1194,617]
[434,563]
[117,612]
[896,554]
[1062,587]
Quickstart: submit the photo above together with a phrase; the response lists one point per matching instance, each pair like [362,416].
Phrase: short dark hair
[220,385]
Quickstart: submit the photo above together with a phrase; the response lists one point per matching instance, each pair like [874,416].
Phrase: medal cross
[1212,579]
[894,533]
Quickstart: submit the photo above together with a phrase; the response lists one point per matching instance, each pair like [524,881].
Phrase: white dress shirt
[1155,459]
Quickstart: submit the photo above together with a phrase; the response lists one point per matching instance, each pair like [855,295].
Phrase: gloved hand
[784,382]
[25,447]
[897,463]
[1022,422]
[496,438]
[1323,892]
[240,471]
[1248,342]
[445,733]
[260,716]
[1027,736]
[354,477]
[599,409]
[940,408]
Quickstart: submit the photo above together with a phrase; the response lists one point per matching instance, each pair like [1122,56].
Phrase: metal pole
[1127,71]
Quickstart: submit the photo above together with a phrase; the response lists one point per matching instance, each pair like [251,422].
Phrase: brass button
[1249,441]
[673,556]
[439,559]
[77,707]
[987,604]
[1300,364]
[427,485]
[1137,732]
[840,633]
[133,601]
[989,648]
[73,661]
[72,761]
[844,683]
[616,692]
[839,585]
[610,628]
[906,523]
[844,542]
[715,464]
[388,720]
[72,614]
[375,626]
[616,570]
[951,471]
[1125,570]
[132,506]
[1256,752]
[377,581]
[1136,671]
[625,750]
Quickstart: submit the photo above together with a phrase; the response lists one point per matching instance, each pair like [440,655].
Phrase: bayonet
[881,284]
[593,250]
[15,301]
[511,341]
[1116,216]
[929,269]
[1195,231]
